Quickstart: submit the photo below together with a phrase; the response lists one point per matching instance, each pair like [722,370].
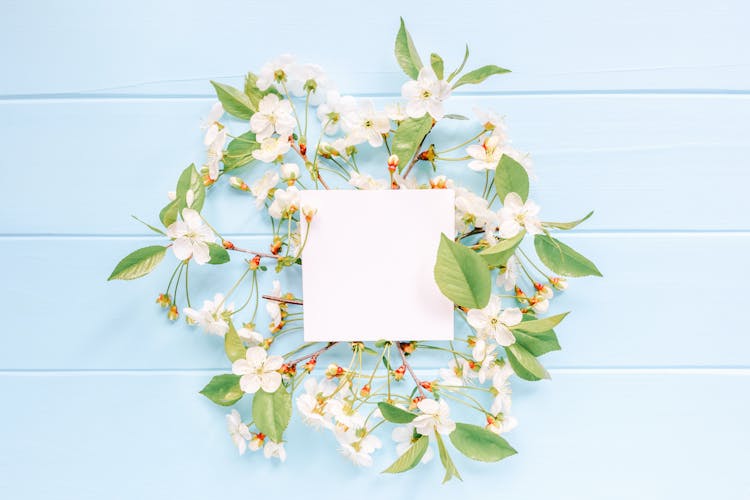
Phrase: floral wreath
[479,267]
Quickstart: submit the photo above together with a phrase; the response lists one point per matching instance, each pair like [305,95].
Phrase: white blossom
[274,115]
[250,336]
[258,371]
[396,112]
[214,140]
[272,449]
[366,124]
[271,149]
[289,172]
[367,182]
[357,449]
[458,373]
[503,391]
[492,121]
[278,69]
[335,107]
[502,423]
[435,416]
[493,322]
[508,275]
[425,94]
[315,404]
[487,154]
[211,317]
[471,210]
[272,307]
[516,215]
[217,111]
[238,431]
[190,237]
[285,202]
[263,186]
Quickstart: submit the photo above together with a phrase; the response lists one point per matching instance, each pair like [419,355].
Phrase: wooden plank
[98,161]
[174,47]
[642,313]
[588,435]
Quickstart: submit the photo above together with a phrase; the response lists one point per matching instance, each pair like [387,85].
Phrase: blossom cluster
[363,145]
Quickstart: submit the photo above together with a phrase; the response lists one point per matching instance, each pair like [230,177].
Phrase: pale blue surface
[637,109]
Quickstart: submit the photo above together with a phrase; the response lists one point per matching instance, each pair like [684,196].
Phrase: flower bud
[164,300]
[408,347]
[426,385]
[276,246]
[439,182]
[227,244]
[287,369]
[238,183]
[559,283]
[365,391]
[334,370]
[173,314]
[289,173]
[392,163]
[399,373]
[255,263]
[308,212]
[310,365]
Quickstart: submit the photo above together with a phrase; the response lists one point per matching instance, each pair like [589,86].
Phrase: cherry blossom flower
[426,94]
[212,316]
[271,149]
[502,389]
[492,121]
[502,423]
[483,352]
[471,210]
[263,186]
[272,449]
[258,371]
[335,107]
[214,141]
[275,71]
[366,124]
[250,336]
[314,404]
[435,417]
[396,112]
[404,437]
[191,236]
[486,155]
[357,449]
[304,78]
[217,111]
[493,322]
[238,431]
[365,181]
[285,203]
[458,373]
[274,115]
[508,275]
[273,308]
[289,173]
[516,215]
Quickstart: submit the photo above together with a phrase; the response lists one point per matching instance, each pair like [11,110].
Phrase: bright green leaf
[224,389]
[540,325]
[272,411]
[462,275]
[240,151]
[395,414]
[537,343]
[410,458]
[479,75]
[568,225]
[437,65]
[189,180]
[562,259]
[406,54]
[463,63]
[499,253]
[138,263]
[511,177]
[524,363]
[154,229]
[445,458]
[480,444]
[235,102]
[217,253]
[233,345]
[408,138]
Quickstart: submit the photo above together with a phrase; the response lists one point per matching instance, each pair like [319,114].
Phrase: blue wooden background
[638,108]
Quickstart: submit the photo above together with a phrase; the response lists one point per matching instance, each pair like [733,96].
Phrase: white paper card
[367,267]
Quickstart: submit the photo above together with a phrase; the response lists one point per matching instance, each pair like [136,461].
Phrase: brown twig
[313,354]
[253,252]
[283,300]
[411,371]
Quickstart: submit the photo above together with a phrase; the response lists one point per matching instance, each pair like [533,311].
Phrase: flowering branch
[411,371]
[312,354]
[283,300]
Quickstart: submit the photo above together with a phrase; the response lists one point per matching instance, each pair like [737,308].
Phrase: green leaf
[408,137]
[154,229]
[537,343]
[191,180]
[568,225]
[410,458]
[138,263]
[524,363]
[511,177]
[406,54]
[395,414]
[462,275]
[450,467]
[233,345]
[224,389]
[252,91]
[463,63]
[235,102]
[217,253]
[479,75]
[562,259]
[240,151]
[480,444]
[272,411]
[499,253]
[540,325]
[437,65]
